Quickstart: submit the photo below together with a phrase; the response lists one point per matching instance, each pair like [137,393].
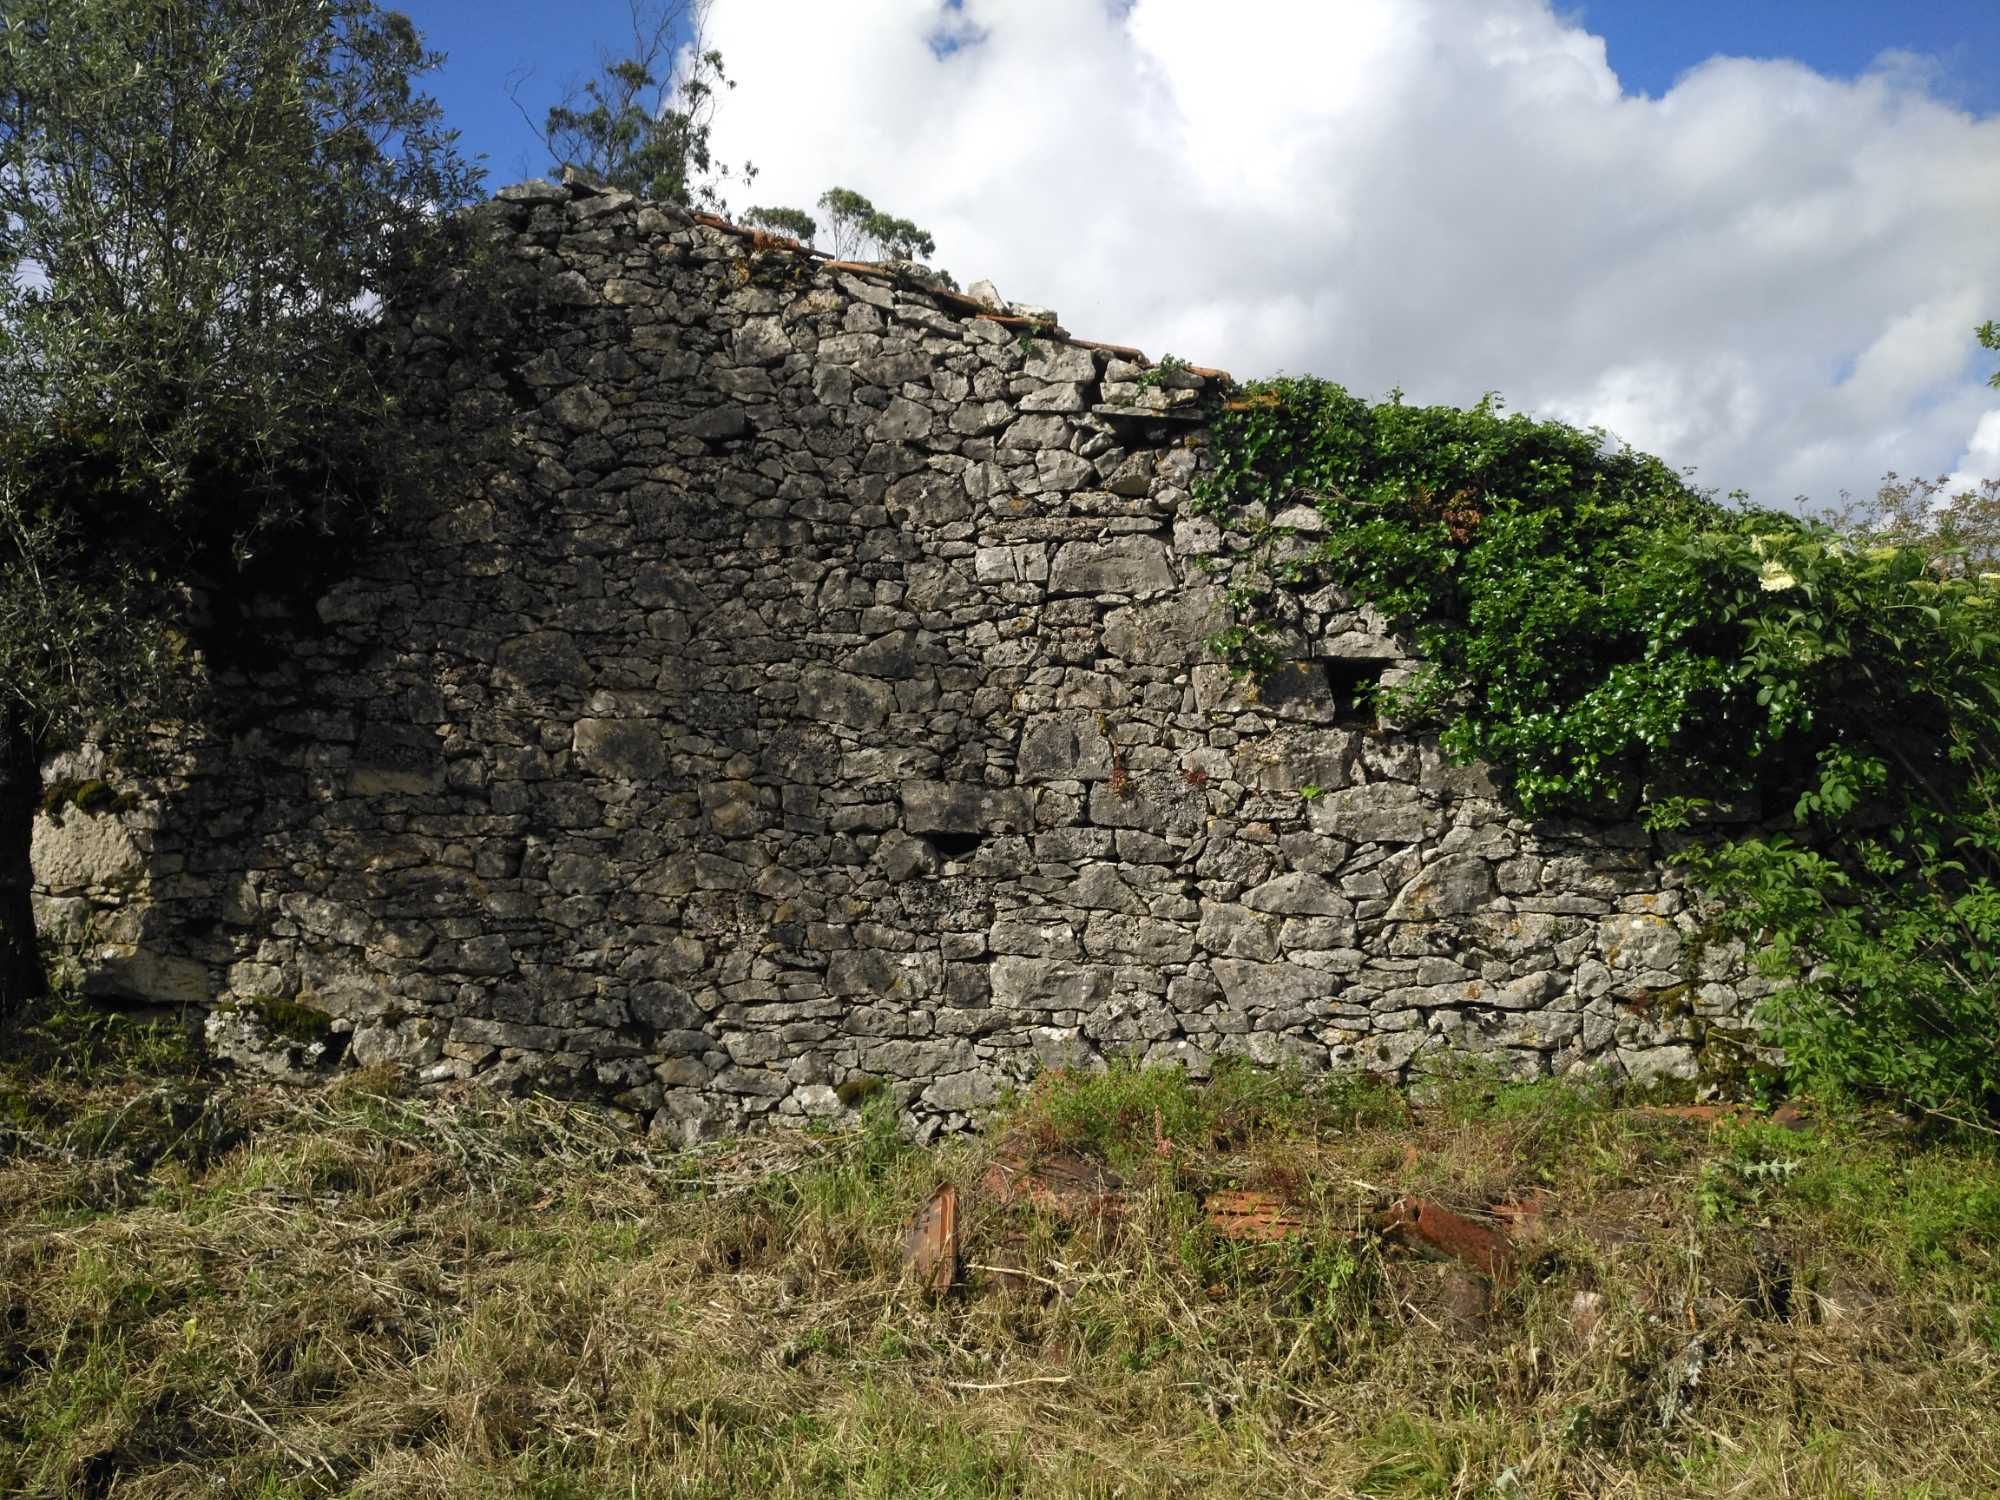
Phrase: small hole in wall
[1352,681]
[955,845]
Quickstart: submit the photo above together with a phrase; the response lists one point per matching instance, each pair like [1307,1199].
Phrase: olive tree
[204,206]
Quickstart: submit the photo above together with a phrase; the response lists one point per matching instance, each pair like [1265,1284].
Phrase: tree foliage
[644,123]
[1610,640]
[858,225]
[1959,531]
[203,204]
[795,222]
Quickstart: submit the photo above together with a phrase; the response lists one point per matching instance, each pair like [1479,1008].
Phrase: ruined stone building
[819,702]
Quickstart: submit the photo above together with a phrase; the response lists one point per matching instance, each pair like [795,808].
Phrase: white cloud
[1981,459]
[1766,274]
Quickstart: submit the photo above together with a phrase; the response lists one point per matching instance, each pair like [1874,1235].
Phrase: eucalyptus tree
[800,225]
[644,122]
[857,224]
[204,205]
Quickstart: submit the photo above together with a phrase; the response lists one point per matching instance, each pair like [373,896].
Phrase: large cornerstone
[815,701]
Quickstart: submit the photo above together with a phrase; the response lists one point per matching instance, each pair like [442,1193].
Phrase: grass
[211,1287]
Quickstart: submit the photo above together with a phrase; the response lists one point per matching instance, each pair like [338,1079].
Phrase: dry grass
[213,1289]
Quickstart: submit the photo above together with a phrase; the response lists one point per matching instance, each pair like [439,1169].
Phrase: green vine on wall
[1610,640]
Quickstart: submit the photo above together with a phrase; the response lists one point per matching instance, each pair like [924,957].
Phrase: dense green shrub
[1610,640]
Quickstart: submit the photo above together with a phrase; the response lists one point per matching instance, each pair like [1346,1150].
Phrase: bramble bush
[1611,641]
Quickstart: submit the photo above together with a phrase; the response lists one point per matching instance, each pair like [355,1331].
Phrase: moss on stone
[290,1019]
[859,1089]
[91,795]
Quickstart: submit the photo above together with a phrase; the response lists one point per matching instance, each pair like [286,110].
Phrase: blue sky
[1649,44]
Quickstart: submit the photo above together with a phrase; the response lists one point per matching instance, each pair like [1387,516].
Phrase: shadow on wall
[491,807]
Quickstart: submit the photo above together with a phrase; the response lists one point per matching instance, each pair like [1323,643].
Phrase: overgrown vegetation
[208,1288]
[203,208]
[1612,641]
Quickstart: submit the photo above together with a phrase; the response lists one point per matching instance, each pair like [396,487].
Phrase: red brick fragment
[930,1243]
[1260,1217]
[1421,1223]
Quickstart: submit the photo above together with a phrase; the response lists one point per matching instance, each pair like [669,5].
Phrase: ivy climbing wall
[814,700]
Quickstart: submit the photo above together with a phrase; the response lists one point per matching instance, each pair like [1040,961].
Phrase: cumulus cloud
[1765,274]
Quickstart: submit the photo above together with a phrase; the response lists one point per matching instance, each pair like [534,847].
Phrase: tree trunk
[21,977]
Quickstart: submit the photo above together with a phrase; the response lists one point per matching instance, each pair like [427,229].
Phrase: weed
[380,1295]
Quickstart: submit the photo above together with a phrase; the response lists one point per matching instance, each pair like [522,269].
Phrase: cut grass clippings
[218,1288]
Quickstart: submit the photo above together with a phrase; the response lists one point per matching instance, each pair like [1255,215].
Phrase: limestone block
[580,409]
[717,424]
[1453,886]
[761,341]
[956,807]
[410,1042]
[1032,936]
[238,1035]
[1051,361]
[733,809]
[1261,986]
[1063,747]
[929,498]
[62,919]
[1651,1064]
[1026,563]
[836,697]
[131,973]
[903,977]
[1121,565]
[1167,632]
[1144,940]
[1062,1047]
[966,1093]
[1378,813]
[976,418]
[84,852]
[1124,1020]
[634,749]
[543,659]
[1238,932]
[1639,942]
[1298,894]
[904,421]
[895,366]
[1060,396]
[1098,887]
[1064,472]
[1048,984]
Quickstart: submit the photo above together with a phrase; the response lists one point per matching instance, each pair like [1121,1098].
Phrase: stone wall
[817,701]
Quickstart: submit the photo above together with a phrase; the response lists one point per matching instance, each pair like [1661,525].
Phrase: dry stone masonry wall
[818,703]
